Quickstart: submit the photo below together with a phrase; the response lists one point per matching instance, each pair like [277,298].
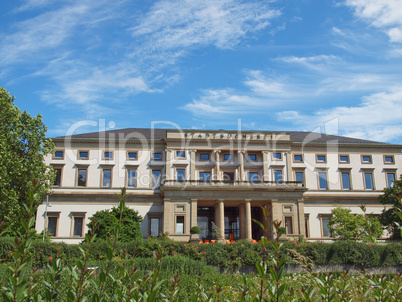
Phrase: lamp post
[48,193]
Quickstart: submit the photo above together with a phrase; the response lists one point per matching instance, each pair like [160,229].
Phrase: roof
[160,134]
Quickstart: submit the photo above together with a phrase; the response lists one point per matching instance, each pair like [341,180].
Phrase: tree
[390,218]
[345,225]
[106,222]
[23,145]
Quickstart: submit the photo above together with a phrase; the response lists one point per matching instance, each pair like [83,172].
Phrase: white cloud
[385,14]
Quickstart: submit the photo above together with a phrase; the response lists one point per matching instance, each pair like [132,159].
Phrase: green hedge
[223,255]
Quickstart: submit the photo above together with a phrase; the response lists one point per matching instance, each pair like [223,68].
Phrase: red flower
[50,259]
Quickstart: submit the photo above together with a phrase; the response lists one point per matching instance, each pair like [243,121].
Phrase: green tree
[390,218]
[106,222]
[23,145]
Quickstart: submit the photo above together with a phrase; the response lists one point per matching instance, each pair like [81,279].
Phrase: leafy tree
[105,222]
[345,225]
[23,145]
[390,218]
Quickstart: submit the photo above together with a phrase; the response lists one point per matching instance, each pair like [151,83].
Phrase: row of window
[344,159]
[107,155]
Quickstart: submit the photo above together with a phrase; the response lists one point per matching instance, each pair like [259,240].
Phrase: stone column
[168,217]
[241,165]
[289,174]
[300,217]
[221,224]
[193,213]
[248,221]
[169,170]
[217,165]
[192,165]
[242,222]
[265,166]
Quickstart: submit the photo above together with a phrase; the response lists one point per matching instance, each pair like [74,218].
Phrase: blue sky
[332,66]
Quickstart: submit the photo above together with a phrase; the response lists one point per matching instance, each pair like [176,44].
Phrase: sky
[332,66]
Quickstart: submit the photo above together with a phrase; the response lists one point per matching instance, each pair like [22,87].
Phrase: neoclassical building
[177,179]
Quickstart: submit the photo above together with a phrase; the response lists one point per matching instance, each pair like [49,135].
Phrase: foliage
[390,218]
[107,220]
[195,230]
[23,145]
[347,226]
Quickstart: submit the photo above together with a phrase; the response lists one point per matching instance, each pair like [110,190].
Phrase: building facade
[217,180]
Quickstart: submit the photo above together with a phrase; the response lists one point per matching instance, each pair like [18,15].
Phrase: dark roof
[160,134]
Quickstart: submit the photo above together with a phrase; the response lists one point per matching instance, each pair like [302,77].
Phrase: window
[83,154]
[368,181]
[252,157]
[321,159]
[277,155]
[307,224]
[107,155]
[131,178]
[277,175]
[157,156]
[156,178]
[57,181]
[345,180]
[58,154]
[132,155]
[154,225]
[204,156]
[180,154]
[77,227]
[390,179]
[343,159]
[179,224]
[299,175]
[82,177]
[325,230]
[52,220]
[366,159]
[252,176]
[106,178]
[322,180]
[289,225]
[298,158]
[181,174]
[205,176]
[228,177]
[388,159]
[227,156]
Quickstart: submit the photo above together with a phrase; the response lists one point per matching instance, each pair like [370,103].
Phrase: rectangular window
[299,175]
[321,159]
[390,179]
[154,226]
[368,181]
[52,225]
[307,224]
[179,224]
[83,154]
[107,155]
[322,179]
[228,177]
[58,154]
[131,178]
[157,156]
[82,178]
[181,174]
[156,178]
[180,154]
[326,231]
[343,159]
[388,159]
[78,226]
[277,155]
[204,156]
[298,158]
[252,176]
[345,180]
[205,176]
[289,225]
[57,181]
[277,175]
[107,178]
[252,157]
[366,159]
[227,156]
[132,155]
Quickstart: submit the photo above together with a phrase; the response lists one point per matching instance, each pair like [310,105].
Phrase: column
[300,217]
[276,215]
[169,171]
[192,165]
[241,165]
[217,165]
[193,213]
[247,207]
[168,217]
[221,223]
[289,174]
[242,222]
[265,166]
